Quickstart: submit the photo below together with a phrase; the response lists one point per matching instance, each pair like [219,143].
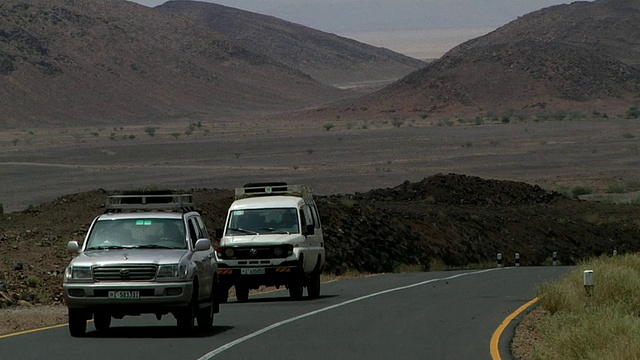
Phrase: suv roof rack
[271,189]
[149,202]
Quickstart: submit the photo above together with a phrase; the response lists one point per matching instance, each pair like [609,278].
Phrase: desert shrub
[150,130]
[397,122]
[328,126]
[632,113]
[1,208]
[581,190]
[33,281]
[628,136]
[615,189]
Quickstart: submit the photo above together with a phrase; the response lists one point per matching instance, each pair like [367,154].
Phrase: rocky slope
[581,57]
[328,58]
[442,221]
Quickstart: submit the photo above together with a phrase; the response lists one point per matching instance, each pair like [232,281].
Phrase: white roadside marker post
[588,282]
[517,259]
[499,259]
[555,258]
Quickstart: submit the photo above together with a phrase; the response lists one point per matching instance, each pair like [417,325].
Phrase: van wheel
[296,284]
[223,295]
[242,293]
[101,321]
[313,287]
[77,322]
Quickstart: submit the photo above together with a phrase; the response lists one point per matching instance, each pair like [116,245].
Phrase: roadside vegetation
[600,324]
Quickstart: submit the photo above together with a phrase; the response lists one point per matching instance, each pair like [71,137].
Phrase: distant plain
[39,165]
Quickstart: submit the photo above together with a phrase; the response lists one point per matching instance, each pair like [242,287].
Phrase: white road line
[296,318]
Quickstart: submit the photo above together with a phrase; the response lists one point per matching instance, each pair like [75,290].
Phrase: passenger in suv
[146,254]
[272,237]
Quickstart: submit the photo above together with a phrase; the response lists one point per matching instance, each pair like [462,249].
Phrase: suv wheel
[205,314]
[186,315]
[101,321]
[242,293]
[77,322]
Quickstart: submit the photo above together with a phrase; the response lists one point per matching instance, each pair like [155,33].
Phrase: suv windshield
[255,221]
[143,233]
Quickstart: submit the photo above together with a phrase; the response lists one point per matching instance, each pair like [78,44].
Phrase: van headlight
[172,271]
[78,273]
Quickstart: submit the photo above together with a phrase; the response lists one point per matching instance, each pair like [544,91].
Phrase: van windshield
[257,221]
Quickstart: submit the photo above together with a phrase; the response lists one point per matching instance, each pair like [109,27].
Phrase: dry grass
[571,324]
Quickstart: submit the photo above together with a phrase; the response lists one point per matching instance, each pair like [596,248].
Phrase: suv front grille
[124,273]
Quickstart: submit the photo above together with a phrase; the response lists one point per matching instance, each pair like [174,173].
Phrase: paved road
[434,315]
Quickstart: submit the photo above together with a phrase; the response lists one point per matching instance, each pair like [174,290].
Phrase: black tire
[313,287]
[77,322]
[186,316]
[242,293]
[296,284]
[101,321]
[205,314]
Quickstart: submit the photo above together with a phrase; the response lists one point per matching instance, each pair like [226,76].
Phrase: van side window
[308,216]
[316,217]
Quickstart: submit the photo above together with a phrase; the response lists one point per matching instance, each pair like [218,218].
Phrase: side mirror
[219,233]
[203,244]
[73,246]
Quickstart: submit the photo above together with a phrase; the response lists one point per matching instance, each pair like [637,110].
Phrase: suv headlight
[172,271]
[78,273]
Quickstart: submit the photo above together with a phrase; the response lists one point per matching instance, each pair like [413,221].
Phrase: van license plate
[252,271]
[124,294]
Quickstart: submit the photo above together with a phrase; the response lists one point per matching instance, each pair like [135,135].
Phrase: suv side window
[193,232]
[202,230]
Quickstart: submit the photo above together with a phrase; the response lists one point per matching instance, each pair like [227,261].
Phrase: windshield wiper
[108,247]
[244,231]
[153,246]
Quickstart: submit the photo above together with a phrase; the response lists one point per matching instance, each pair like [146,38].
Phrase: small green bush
[615,189]
[581,190]
[33,281]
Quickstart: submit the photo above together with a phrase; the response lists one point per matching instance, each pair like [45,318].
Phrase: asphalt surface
[432,315]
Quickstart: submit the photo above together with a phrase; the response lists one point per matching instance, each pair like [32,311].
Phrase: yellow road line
[31,331]
[495,339]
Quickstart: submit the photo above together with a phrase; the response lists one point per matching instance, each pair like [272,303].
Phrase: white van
[272,237]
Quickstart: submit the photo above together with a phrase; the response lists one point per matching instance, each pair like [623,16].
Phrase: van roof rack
[149,202]
[271,189]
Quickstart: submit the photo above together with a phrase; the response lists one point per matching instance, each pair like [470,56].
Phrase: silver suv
[145,254]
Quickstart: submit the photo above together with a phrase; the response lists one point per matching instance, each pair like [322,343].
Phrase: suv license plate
[252,271]
[124,294]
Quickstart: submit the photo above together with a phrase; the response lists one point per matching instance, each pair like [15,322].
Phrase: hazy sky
[418,28]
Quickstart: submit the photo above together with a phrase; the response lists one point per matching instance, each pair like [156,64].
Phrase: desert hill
[577,57]
[95,62]
[328,58]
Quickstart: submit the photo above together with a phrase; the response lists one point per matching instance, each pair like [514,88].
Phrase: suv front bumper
[169,294]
